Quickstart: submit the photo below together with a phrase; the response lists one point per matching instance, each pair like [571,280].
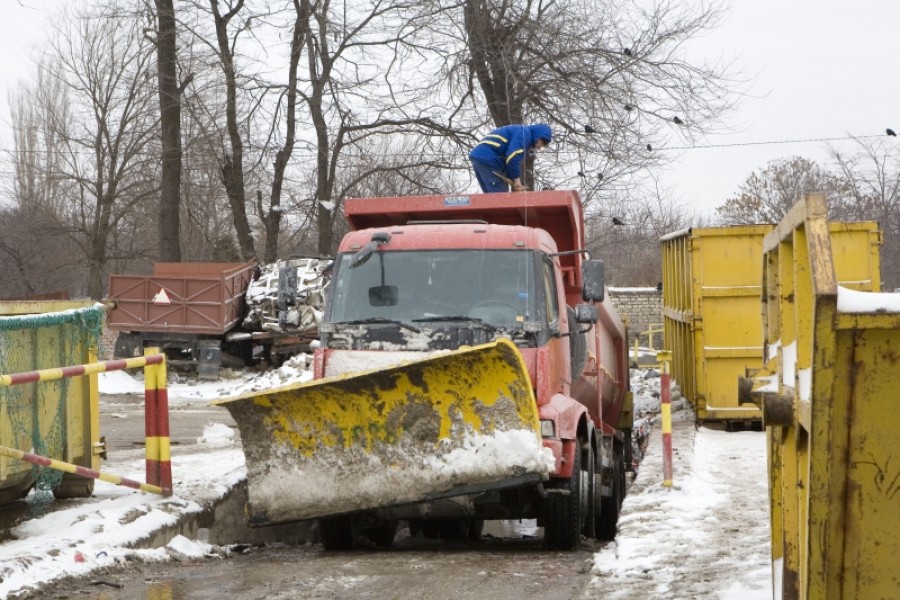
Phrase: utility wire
[351,154]
[773,142]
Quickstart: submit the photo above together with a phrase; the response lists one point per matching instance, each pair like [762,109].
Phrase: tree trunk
[273,215]
[494,69]
[170,120]
[233,165]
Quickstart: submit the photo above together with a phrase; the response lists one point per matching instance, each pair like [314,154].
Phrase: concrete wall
[642,307]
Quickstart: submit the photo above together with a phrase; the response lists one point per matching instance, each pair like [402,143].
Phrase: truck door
[557,321]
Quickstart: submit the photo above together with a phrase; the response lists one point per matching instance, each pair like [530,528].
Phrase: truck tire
[563,512]
[608,522]
[336,533]
[592,503]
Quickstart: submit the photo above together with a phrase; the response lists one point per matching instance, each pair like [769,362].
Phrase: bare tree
[353,101]
[260,117]
[233,162]
[872,175]
[769,193]
[625,233]
[37,254]
[105,63]
[610,77]
[273,216]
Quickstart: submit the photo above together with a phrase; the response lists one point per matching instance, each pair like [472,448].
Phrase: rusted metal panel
[206,298]
[834,478]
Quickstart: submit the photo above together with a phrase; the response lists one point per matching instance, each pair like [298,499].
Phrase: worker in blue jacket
[497,159]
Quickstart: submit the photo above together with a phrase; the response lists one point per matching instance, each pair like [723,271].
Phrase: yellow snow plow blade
[390,436]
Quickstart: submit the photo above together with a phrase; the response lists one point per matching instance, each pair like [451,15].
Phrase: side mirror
[383,295]
[586,313]
[592,273]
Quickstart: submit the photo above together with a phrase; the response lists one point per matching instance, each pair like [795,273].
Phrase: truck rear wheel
[563,511]
[592,502]
[610,506]
[336,533]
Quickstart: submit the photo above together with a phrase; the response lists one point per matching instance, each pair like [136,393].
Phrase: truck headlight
[548,429]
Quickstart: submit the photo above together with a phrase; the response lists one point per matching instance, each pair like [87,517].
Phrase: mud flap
[391,436]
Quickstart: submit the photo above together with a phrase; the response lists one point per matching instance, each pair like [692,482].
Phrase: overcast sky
[819,69]
[815,69]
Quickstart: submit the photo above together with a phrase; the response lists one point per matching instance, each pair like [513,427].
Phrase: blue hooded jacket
[504,148]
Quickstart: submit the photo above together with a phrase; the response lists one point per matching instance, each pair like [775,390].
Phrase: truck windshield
[493,286]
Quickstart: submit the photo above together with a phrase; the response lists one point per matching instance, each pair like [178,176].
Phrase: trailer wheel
[74,486]
[563,511]
[336,532]
[609,507]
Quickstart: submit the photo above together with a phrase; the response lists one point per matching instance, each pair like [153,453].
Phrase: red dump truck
[470,368]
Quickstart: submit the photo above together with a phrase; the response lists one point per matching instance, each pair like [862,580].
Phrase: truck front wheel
[563,510]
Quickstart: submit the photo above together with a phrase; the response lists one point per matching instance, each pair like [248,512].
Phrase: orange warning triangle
[161,297]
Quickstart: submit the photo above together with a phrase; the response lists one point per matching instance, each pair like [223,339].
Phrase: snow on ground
[707,537]
[79,536]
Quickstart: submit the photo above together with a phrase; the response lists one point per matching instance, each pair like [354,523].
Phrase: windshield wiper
[379,320]
[457,318]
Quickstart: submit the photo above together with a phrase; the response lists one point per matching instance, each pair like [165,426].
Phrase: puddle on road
[508,562]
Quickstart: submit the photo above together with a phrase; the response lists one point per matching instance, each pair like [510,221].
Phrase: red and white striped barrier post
[665,404]
[156,424]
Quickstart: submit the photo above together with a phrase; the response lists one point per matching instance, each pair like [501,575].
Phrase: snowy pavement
[707,537]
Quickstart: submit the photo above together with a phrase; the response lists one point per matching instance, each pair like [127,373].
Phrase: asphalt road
[122,421]
[497,567]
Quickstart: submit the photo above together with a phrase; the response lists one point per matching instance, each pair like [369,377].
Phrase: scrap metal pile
[288,296]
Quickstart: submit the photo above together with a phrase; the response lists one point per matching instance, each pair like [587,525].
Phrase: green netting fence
[50,418]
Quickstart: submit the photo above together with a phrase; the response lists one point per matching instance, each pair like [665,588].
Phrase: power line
[86,152]
[773,142]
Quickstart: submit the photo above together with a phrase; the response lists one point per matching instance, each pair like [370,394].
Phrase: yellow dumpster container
[830,411]
[58,418]
[711,306]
